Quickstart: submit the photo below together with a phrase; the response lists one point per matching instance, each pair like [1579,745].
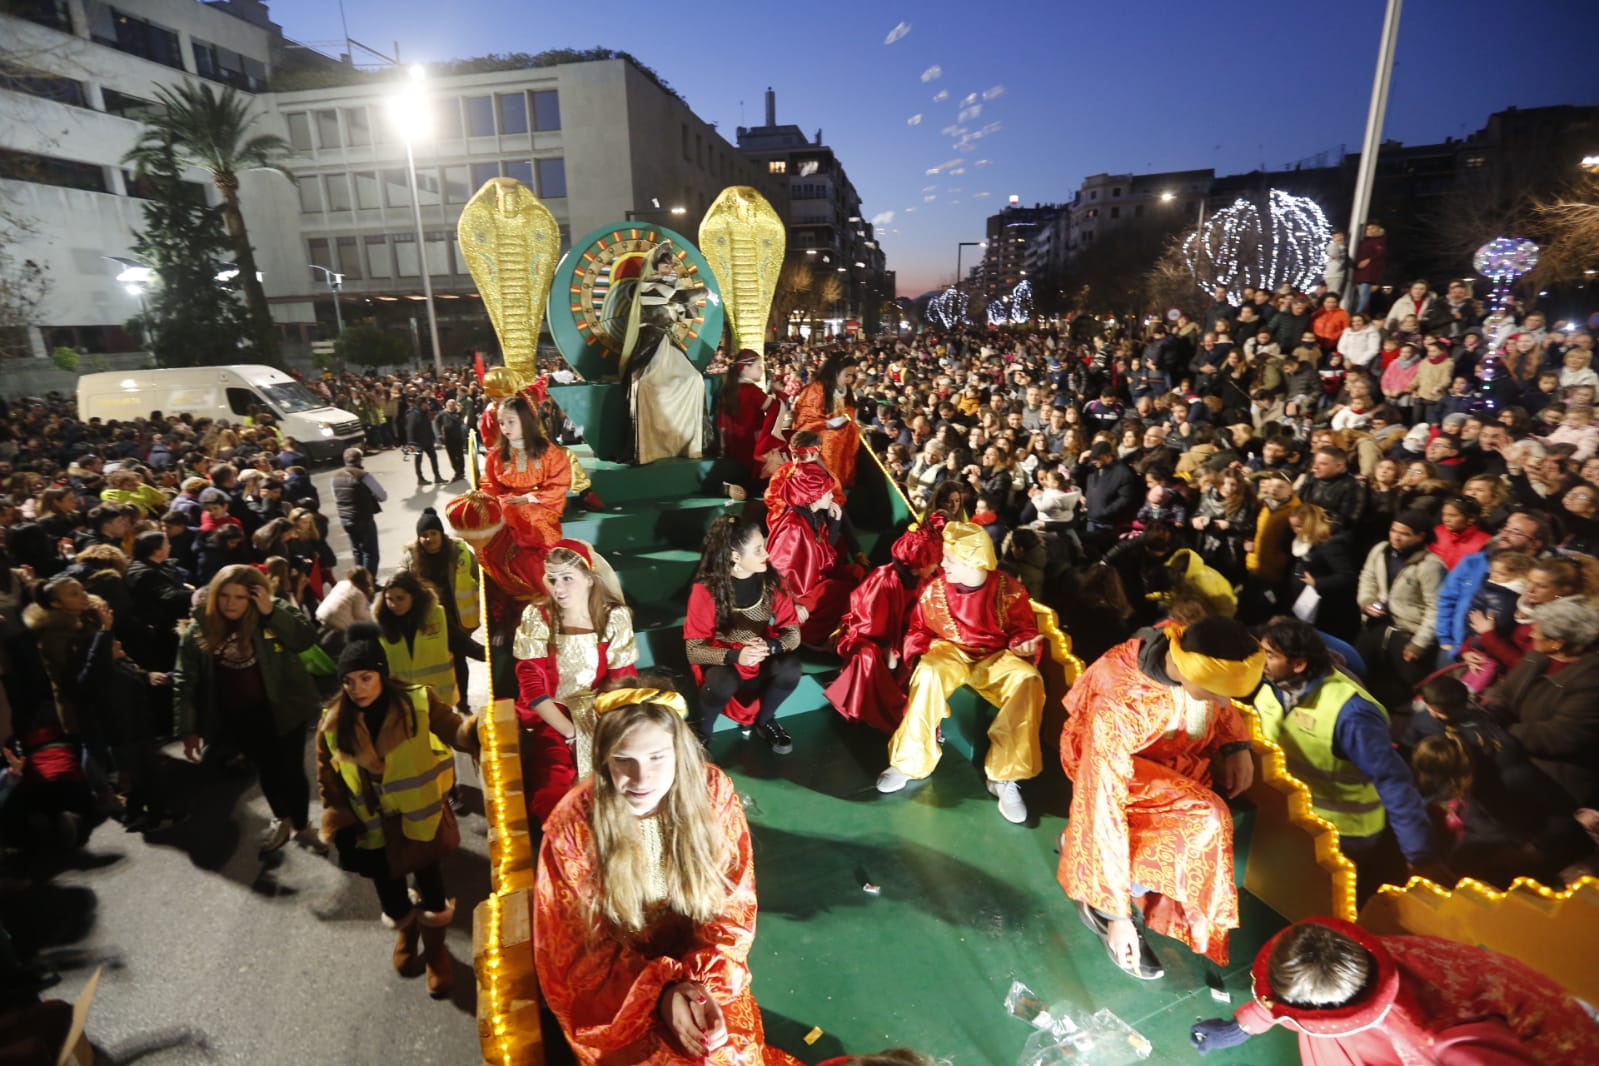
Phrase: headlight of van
[325,428]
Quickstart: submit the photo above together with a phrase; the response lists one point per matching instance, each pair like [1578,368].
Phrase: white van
[222,392]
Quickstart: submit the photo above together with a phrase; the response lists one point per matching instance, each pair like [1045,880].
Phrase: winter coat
[1556,719]
[1412,598]
[278,642]
[1455,595]
[1433,379]
[1224,548]
[1270,560]
[1288,327]
[419,429]
[1342,497]
[1111,493]
[1374,251]
[1332,565]
[77,655]
[1360,346]
[161,599]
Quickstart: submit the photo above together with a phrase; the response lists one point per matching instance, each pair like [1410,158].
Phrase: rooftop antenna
[345,22]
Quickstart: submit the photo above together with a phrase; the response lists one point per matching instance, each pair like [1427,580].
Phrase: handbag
[1308,603]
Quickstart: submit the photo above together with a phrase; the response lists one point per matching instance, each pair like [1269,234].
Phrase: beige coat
[1412,599]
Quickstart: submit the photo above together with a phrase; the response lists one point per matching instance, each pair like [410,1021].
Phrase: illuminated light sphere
[1239,246]
[948,308]
[1015,308]
[1504,259]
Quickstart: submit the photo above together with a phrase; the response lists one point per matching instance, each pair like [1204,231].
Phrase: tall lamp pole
[1373,142]
[409,110]
[959,248]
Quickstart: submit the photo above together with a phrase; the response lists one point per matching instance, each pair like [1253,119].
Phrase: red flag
[477,365]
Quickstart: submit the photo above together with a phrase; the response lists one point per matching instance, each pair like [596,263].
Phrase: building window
[1117,191]
[299,129]
[44,86]
[1115,212]
[135,36]
[777,166]
[396,188]
[52,13]
[1093,212]
[448,112]
[438,253]
[350,258]
[318,251]
[355,121]
[124,106]
[366,190]
[327,129]
[479,116]
[513,112]
[552,178]
[546,110]
[699,151]
[482,172]
[227,66]
[1094,195]
[405,265]
[427,187]
[457,185]
[687,157]
[1138,210]
[379,260]
[521,170]
[338,192]
[1088,235]
[311,196]
[48,170]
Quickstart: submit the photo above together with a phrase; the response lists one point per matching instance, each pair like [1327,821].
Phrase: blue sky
[1065,89]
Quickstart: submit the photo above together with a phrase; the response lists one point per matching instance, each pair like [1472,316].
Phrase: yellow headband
[1225,677]
[967,543]
[622,697]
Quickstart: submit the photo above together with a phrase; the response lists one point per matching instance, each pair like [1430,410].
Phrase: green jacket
[278,645]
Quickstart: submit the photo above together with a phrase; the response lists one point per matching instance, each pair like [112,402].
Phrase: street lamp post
[634,214]
[959,248]
[335,284]
[408,110]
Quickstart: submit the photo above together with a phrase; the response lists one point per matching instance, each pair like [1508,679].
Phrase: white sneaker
[276,835]
[891,780]
[1011,807]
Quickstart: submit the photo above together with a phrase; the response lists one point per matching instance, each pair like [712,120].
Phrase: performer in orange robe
[873,630]
[606,985]
[1145,723]
[529,475]
[811,546]
[826,407]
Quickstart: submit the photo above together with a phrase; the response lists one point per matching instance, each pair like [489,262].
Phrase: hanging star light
[1238,246]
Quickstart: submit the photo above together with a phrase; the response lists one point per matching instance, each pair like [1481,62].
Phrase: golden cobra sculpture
[743,239]
[512,244]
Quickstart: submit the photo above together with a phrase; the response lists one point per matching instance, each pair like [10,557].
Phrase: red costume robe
[812,410]
[990,618]
[605,989]
[537,524]
[1432,1001]
[879,610]
[569,669]
[817,573]
[773,497]
[704,640]
[1143,809]
[748,436]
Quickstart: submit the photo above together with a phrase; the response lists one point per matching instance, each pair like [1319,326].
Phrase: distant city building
[1004,262]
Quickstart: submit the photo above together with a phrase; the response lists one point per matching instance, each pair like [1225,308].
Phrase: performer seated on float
[804,448]
[528,474]
[972,627]
[813,547]
[746,419]
[742,634]
[1150,725]
[649,961]
[826,407]
[1355,997]
[871,687]
[569,643]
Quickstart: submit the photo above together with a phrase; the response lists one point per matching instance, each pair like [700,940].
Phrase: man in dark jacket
[419,435]
[1290,325]
[450,429]
[1110,491]
[1334,489]
[359,498]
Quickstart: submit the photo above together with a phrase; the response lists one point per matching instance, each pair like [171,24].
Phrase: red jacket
[1453,547]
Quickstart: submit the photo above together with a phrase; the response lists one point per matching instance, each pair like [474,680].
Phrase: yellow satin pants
[1005,679]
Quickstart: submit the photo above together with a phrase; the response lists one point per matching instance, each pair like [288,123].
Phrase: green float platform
[967,902]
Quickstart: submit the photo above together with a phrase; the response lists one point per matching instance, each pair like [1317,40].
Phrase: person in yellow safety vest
[449,566]
[384,765]
[416,634]
[1337,741]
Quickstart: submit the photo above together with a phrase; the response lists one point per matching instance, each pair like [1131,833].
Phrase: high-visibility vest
[428,661]
[417,775]
[466,587]
[1339,791]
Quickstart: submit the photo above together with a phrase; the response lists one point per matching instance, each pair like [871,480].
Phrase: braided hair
[728,533]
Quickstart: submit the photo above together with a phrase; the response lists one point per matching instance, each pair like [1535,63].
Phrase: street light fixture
[408,111]
[335,282]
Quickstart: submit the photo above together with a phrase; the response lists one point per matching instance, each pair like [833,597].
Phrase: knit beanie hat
[363,650]
[1417,521]
[429,520]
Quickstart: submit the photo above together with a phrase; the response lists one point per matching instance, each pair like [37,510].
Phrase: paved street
[213,955]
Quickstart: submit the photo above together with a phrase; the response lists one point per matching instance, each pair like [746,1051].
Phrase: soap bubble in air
[897,33]
[932,73]
[969,113]
[940,96]
[994,93]
[914,120]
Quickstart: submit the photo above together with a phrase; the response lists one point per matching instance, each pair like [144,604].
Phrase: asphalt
[212,954]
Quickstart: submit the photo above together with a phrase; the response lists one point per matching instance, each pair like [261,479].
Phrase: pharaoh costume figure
[813,549]
[1138,749]
[869,689]
[604,986]
[666,393]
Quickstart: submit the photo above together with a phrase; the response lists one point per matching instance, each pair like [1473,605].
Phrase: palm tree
[210,131]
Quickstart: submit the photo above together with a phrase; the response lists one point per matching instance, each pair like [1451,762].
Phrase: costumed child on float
[813,547]
[974,627]
[871,687]
[1355,997]
[746,421]
[804,447]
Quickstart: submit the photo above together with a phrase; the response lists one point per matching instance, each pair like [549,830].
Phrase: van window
[241,400]
[291,397]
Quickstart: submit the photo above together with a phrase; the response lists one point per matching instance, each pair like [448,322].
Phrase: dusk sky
[1066,89]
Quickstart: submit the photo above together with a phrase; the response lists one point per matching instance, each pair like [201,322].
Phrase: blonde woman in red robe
[869,689]
[813,547]
[826,407]
[1151,737]
[648,965]
[528,474]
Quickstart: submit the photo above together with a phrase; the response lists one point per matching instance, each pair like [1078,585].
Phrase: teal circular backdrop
[594,286]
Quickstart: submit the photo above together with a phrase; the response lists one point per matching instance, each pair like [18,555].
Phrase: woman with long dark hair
[528,474]
[827,408]
[742,633]
[416,634]
[746,417]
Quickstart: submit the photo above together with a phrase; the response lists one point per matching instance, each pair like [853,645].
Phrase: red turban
[807,484]
[917,548]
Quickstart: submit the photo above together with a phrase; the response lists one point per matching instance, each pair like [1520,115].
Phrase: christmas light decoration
[1238,246]
[948,308]
[1015,308]
[1503,260]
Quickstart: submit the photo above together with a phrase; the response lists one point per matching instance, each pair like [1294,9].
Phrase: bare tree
[793,292]
[1170,282]
[1568,225]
